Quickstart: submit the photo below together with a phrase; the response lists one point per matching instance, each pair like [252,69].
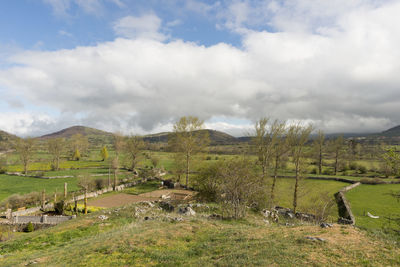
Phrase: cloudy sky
[137,66]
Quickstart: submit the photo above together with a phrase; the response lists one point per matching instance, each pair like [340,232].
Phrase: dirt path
[123,199]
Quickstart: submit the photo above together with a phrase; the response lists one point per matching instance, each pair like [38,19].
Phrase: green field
[309,193]
[376,200]
[23,185]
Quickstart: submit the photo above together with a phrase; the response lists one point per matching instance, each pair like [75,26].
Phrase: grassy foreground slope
[125,238]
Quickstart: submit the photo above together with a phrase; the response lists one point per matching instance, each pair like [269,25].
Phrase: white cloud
[342,76]
[24,123]
[145,26]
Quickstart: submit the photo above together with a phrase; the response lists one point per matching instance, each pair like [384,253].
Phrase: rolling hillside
[96,137]
[216,137]
[7,140]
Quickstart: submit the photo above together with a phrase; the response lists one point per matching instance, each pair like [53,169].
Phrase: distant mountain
[4,136]
[68,132]
[96,137]
[7,140]
[392,132]
[216,137]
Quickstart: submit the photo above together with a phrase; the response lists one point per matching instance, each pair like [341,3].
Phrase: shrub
[208,158]
[60,207]
[362,169]
[314,171]
[16,201]
[353,166]
[29,228]
[327,172]
[372,181]
[100,183]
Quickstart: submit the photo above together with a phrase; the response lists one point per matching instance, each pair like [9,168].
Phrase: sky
[136,67]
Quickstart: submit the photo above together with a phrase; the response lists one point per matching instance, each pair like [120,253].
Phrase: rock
[326,225]
[165,197]
[372,216]
[342,220]
[177,185]
[148,203]
[166,206]
[315,238]
[103,217]
[215,216]
[289,215]
[168,184]
[187,211]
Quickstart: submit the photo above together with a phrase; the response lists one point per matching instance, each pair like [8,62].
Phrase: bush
[353,166]
[314,171]
[327,172]
[372,181]
[16,201]
[60,207]
[100,183]
[29,228]
[208,158]
[362,169]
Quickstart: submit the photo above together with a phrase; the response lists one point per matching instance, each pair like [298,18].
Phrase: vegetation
[235,181]
[125,239]
[187,140]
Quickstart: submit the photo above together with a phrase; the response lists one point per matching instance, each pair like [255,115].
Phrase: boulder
[166,206]
[187,211]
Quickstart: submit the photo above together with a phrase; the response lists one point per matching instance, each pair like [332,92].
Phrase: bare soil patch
[124,199]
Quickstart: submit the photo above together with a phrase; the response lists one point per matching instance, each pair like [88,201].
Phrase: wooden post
[65,190]
[109,176]
[55,197]
[43,198]
[85,201]
[75,203]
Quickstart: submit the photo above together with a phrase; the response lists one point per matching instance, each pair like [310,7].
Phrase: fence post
[65,190]
[85,201]
[43,198]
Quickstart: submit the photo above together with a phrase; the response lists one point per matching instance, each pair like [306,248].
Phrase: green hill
[392,132]
[96,137]
[7,140]
[216,137]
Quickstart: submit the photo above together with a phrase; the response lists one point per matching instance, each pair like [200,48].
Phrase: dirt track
[123,199]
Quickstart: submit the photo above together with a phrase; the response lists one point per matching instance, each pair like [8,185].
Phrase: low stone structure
[345,213]
[44,219]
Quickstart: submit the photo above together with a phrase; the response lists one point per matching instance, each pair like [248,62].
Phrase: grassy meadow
[377,200]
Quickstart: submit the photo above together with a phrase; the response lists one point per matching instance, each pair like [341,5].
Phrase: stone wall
[345,213]
[41,219]
[81,197]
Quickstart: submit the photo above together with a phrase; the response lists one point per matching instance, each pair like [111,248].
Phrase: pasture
[375,199]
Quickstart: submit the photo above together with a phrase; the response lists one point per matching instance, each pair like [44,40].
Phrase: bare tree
[25,149]
[118,144]
[188,139]
[263,143]
[238,185]
[115,167]
[279,150]
[56,147]
[336,146]
[318,149]
[78,143]
[133,146]
[297,137]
